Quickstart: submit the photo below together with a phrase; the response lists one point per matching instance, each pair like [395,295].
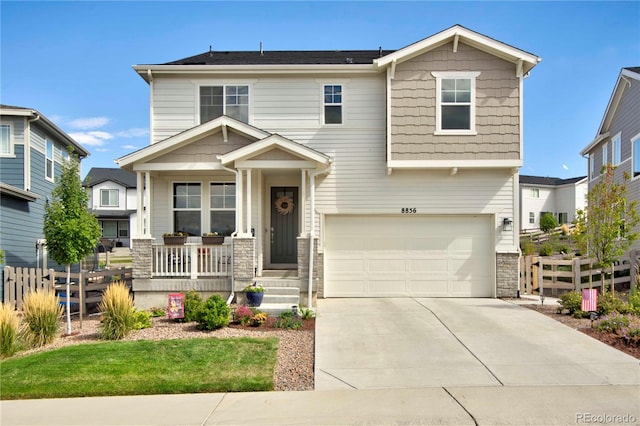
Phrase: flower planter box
[214,240]
[174,240]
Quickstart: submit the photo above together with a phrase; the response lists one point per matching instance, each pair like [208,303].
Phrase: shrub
[157,312]
[307,313]
[243,314]
[612,323]
[192,306]
[548,222]
[572,303]
[142,319]
[258,319]
[41,314]
[118,312]
[288,320]
[9,330]
[214,313]
[609,302]
[634,301]
[631,333]
[563,247]
[547,249]
[528,248]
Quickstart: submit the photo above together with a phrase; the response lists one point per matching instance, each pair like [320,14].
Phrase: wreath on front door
[284,205]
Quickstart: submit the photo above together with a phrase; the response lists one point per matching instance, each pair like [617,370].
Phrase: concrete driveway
[418,343]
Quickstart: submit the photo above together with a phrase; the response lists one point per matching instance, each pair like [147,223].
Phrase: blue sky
[72,60]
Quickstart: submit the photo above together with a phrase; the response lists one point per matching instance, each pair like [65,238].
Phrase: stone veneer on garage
[507,265]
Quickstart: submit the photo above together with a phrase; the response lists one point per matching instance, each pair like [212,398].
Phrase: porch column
[144,201]
[248,229]
[302,201]
[239,203]
[147,203]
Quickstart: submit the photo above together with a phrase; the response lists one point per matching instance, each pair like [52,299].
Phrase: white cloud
[102,150]
[96,138]
[133,133]
[129,147]
[89,123]
[565,167]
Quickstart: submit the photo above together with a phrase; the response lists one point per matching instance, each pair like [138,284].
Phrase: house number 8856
[409,210]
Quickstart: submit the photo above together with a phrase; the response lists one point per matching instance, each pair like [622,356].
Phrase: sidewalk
[564,405]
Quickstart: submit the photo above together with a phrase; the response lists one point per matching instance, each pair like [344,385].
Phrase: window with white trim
[616,142]
[635,145]
[230,100]
[535,193]
[332,94]
[592,165]
[109,198]
[5,139]
[605,160]
[532,217]
[187,202]
[222,203]
[563,218]
[455,102]
[49,161]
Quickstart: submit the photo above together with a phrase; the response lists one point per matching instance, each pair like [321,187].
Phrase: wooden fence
[540,274]
[86,287]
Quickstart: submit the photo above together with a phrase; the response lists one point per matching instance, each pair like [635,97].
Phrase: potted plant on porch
[174,238]
[254,294]
[212,238]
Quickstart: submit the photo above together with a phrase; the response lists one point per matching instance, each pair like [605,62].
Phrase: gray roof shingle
[549,181]
[102,174]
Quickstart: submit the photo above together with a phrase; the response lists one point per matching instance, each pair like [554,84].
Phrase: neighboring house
[561,197]
[32,149]
[400,166]
[617,140]
[113,199]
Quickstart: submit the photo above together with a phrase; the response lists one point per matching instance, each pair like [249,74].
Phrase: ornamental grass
[9,330]
[41,312]
[118,312]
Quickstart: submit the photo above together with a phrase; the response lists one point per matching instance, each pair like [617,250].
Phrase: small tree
[70,229]
[548,222]
[605,229]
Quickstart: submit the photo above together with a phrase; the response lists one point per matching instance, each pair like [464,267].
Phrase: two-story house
[560,197]
[113,199]
[360,173]
[32,149]
[617,141]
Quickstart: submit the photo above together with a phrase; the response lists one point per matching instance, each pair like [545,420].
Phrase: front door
[284,225]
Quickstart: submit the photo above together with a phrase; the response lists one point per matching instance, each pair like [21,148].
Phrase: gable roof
[327,61]
[457,33]
[624,81]
[50,126]
[98,175]
[275,141]
[549,181]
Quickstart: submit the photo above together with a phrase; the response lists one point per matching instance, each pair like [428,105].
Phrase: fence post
[8,287]
[541,280]
[577,274]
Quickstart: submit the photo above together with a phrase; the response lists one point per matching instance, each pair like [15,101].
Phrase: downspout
[27,152]
[312,226]
[233,234]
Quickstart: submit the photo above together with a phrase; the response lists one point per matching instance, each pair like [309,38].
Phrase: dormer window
[455,102]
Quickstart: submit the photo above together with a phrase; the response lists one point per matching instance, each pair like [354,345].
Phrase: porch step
[275,309]
[279,273]
[285,299]
[278,282]
[278,299]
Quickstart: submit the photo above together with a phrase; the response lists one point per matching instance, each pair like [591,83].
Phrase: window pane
[333,115]
[109,229]
[448,84]
[211,101]
[5,143]
[456,117]
[448,96]
[123,229]
[636,158]
[49,168]
[463,97]
[463,84]
[187,221]
[223,222]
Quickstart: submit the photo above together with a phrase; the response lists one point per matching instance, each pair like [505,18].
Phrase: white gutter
[233,293]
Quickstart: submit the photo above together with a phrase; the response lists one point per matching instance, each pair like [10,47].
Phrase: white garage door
[413,256]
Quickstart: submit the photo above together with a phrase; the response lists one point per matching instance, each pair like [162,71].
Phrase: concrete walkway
[413,361]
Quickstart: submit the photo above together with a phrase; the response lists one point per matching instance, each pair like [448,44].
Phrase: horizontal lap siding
[413,108]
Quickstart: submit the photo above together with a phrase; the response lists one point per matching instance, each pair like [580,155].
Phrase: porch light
[507,224]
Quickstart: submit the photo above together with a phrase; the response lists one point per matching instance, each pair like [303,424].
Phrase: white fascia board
[143,70]
[271,142]
[594,142]
[17,112]
[275,164]
[163,167]
[449,164]
[190,135]
[466,36]
[17,192]
[631,74]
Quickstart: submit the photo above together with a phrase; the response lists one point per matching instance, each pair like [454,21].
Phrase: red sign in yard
[590,300]
[176,306]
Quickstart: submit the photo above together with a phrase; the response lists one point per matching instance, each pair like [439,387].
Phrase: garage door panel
[450,256]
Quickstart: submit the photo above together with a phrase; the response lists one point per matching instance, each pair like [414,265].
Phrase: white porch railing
[191,260]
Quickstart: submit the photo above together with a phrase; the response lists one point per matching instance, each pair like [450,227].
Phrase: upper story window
[605,160]
[109,198]
[49,161]
[535,193]
[455,102]
[332,103]
[232,101]
[223,208]
[635,143]
[5,139]
[615,146]
[592,165]
[187,208]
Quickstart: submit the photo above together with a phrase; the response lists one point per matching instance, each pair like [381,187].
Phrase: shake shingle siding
[413,108]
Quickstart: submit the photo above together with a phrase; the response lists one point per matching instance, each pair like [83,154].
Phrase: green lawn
[142,367]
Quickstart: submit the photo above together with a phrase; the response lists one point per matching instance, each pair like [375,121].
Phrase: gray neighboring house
[617,140]
[561,197]
[113,198]
[32,149]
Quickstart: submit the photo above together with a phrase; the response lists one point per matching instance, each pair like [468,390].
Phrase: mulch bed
[584,325]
